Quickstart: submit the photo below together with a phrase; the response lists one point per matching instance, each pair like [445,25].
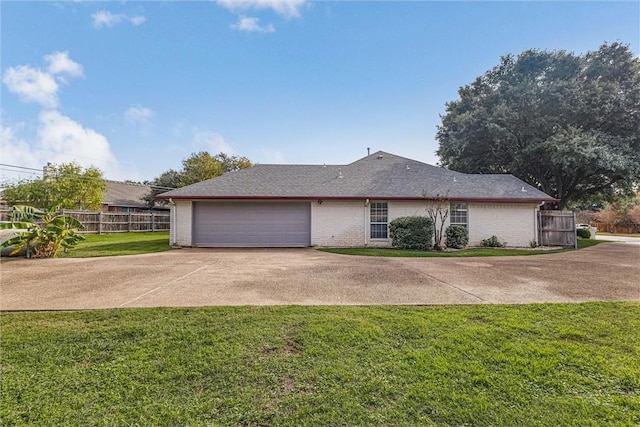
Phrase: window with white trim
[379,218]
[458,214]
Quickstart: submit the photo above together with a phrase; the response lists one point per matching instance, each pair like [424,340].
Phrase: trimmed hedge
[457,237]
[584,233]
[491,242]
[412,232]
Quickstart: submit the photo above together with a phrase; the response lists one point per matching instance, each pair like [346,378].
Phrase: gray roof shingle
[378,176]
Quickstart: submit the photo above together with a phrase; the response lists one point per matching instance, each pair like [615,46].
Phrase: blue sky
[136,87]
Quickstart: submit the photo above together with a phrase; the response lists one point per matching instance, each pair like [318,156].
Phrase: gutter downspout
[537,221]
[366,206]
[172,234]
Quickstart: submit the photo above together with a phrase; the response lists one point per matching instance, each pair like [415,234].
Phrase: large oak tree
[568,124]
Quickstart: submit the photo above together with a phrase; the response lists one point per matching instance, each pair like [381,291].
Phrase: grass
[546,364]
[472,252]
[99,245]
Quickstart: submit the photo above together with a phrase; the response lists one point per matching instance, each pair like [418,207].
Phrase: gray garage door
[260,224]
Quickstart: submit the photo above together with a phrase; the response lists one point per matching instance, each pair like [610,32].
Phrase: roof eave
[456,199]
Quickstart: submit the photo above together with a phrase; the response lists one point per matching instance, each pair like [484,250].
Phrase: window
[379,220]
[458,214]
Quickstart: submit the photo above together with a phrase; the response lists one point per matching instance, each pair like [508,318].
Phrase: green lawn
[119,244]
[472,252]
[546,365]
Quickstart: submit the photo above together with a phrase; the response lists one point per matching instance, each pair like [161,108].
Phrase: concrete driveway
[199,277]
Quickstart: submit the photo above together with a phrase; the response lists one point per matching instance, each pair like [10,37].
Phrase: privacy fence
[557,228]
[114,222]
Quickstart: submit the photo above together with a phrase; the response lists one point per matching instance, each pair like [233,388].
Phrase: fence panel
[557,228]
[113,222]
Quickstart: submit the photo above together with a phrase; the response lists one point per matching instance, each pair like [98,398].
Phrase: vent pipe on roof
[368,151]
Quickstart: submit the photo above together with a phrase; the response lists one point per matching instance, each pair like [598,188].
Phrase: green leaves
[567,124]
[67,185]
[47,231]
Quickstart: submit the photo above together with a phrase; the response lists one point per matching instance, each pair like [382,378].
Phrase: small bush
[583,233]
[412,232]
[457,237]
[491,242]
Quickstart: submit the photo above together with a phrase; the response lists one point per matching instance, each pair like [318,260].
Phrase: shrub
[491,242]
[412,232]
[583,233]
[457,237]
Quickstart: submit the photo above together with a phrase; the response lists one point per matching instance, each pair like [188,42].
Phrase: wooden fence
[557,228]
[114,222]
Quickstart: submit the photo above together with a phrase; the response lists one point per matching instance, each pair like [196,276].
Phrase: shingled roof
[125,194]
[378,176]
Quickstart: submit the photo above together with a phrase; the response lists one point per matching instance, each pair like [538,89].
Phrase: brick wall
[337,223]
[181,235]
[514,223]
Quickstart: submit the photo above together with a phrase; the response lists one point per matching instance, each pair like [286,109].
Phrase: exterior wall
[338,223]
[181,216]
[513,223]
[347,223]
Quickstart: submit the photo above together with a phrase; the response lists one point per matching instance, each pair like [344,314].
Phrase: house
[126,197]
[347,205]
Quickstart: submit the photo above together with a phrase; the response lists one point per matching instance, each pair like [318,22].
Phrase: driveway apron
[203,277]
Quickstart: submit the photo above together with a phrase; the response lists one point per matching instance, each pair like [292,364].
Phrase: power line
[21,167]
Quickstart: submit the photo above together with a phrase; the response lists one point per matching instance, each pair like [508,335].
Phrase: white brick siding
[181,215]
[338,224]
[346,223]
[514,223]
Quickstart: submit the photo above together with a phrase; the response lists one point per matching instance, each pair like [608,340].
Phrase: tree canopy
[565,123]
[195,168]
[66,186]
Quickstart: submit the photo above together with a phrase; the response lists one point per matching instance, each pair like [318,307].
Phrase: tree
[609,216]
[67,185]
[166,181]
[567,124]
[202,166]
[47,231]
[438,213]
[195,168]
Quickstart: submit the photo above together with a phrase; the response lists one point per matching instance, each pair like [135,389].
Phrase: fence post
[129,225]
[100,222]
[153,224]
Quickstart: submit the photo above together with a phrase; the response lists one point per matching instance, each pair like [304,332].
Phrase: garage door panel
[252,224]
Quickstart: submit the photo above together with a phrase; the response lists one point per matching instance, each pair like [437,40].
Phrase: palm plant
[43,233]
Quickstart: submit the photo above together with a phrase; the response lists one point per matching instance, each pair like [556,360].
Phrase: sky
[135,87]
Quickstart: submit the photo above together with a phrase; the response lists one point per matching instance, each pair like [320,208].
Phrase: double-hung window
[379,214]
[459,214]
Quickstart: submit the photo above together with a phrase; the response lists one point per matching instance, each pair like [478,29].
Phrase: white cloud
[287,8]
[104,18]
[32,85]
[212,142]
[137,20]
[59,139]
[62,139]
[246,23]
[60,63]
[141,116]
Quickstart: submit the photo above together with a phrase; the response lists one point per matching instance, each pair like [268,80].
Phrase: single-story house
[347,205]
[127,197]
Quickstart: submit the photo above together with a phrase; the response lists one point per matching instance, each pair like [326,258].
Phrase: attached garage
[251,224]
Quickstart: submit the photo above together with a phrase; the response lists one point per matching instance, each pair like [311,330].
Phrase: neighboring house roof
[378,176]
[125,194]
